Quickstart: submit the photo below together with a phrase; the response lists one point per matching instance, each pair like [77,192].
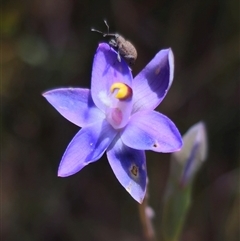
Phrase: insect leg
[113,43]
[119,57]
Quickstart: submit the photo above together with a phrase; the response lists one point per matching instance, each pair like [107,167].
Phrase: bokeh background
[48,44]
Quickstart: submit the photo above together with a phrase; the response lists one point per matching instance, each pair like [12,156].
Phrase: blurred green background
[48,44]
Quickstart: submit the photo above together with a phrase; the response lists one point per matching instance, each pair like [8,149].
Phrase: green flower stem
[175,211]
[146,220]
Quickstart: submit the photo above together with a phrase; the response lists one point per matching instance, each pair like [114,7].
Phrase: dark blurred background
[48,44]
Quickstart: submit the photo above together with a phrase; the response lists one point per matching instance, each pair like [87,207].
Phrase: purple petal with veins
[106,71]
[153,82]
[150,130]
[129,167]
[75,105]
[87,146]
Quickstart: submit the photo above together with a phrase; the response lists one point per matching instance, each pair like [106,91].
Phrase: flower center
[122,90]
[120,109]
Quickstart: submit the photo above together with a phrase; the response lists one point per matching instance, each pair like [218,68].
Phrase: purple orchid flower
[117,116]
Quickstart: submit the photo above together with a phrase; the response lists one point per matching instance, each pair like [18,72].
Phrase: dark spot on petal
[154,145]
[134,170]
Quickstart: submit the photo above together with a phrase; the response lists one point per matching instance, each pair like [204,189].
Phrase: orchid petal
[152,84]
[129,167]
[150,130]
[75,105]
[106,71]
[87,146]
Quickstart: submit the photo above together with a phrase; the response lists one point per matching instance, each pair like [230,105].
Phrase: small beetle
[123,47]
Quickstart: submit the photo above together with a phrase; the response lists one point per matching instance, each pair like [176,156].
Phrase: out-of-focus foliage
[48,44]
[178,195]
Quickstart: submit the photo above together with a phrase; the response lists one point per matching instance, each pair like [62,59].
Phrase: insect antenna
[105,21]
[95,30]
[104,34]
